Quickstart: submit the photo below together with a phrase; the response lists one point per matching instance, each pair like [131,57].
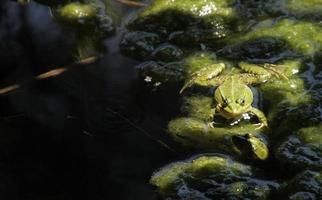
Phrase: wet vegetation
[164,84]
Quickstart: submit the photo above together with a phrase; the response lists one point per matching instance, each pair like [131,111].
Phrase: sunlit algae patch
[208,177]
[187,22]
[302,37]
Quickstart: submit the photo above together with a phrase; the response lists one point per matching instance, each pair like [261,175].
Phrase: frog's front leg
[261,117]
[204,76]
[213,112]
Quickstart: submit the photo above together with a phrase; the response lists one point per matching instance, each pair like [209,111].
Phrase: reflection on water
[81,134]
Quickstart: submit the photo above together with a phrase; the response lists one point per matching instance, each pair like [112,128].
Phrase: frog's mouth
[230,115]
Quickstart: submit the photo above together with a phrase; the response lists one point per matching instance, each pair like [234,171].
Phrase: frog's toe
[260,126]
[211,124]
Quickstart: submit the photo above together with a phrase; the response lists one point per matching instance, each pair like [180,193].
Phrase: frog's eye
[241,102]
[225,103]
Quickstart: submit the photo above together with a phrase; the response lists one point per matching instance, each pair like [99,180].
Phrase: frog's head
[233,97]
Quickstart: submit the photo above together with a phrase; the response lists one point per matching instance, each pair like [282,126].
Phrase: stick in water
[133,3]
[51,73]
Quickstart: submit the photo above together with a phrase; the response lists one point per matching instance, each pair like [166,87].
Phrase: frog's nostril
[234,109]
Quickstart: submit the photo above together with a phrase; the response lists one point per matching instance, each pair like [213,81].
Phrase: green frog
[233,97]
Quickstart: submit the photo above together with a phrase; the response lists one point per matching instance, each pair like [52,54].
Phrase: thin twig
[49,74]
[9,89]
[133,3]
[141,130]
[12,116]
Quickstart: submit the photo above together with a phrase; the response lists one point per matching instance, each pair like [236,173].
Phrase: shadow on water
[81,135]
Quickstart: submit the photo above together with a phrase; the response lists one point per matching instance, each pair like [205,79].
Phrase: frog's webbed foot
[204,75]
[272,69]
[260,126]
[261,117]
[211,124]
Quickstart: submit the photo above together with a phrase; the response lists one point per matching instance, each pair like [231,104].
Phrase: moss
[306,185]
[167,53]
[292,91]
[144,44]
[289,104]
[197,134]
[187,22]
[196,8]
[198,61]
[311,135]
[264,48]
[211,177]
[302,37]
[138,44]
[160,72]
[198,107]
[91,17]
[186,12]
[304,7]
[77,13]
[166,178]
[303,149]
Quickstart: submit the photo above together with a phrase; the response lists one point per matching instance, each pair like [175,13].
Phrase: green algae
[291,104]
[139,44]
[304,5]
[161,72]
[292,92]
[301,9]
[167,53]
[195,20]
[302,150]
[211,177]
[198,61]
[306,185]
[196,8]
[175,69]
[77,13]
[302,37]
[91,17]
[91,23]
[166,10]
[311,135]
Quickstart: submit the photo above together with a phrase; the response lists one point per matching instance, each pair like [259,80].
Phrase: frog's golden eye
[241,101]
[225,103]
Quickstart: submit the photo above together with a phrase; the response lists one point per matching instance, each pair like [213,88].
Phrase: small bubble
[295,71]
[148,79]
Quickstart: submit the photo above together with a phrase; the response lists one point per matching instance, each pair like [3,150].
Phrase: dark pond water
[99,131]
[83,134]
